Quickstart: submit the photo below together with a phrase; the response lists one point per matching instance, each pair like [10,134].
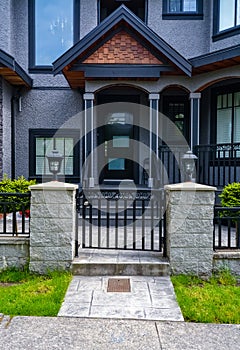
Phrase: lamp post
[188,163]
[54,162]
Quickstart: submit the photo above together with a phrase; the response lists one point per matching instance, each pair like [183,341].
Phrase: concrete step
[104,262]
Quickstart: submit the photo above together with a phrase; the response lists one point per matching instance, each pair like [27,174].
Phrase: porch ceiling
[121,47]
[12,72]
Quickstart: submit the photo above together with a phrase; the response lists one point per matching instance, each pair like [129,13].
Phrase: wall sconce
[189,166]
[54,162]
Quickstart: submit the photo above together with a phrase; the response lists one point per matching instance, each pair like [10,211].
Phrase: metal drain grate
[120,285]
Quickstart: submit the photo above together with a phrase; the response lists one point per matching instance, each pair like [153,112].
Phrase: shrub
[19,185]
[230,196]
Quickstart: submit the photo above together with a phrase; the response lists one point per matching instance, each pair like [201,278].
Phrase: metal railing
[218,164]
[226,233]
[121,219]
[14,214]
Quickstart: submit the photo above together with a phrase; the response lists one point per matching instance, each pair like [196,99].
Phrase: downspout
[13,152]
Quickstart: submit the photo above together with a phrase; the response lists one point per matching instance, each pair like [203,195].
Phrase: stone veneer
[52,226]
[189,233]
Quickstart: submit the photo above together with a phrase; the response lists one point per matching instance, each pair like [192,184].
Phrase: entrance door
[118,147]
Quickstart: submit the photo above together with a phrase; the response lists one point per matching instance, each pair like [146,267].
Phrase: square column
[195,118]
[153,133]
[89,135]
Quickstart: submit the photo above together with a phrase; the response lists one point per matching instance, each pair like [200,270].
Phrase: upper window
[106,7]
[227,18]
[54,27]
[182,9]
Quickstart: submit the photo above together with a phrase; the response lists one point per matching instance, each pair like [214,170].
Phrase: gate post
[52,226]
[189,231]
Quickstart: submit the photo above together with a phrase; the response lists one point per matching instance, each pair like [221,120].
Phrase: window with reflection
[54,27]
[181,8]
[229,14]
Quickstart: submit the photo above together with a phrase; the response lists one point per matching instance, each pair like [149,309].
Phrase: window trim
[47,69]
[198,15]
[35,133]
[221,91]
[223,34]
[99,12]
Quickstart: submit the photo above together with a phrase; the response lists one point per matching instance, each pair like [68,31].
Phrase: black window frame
[183,15]
[226,33]
[50,133]
[145,17]
[222,91]
[47,69]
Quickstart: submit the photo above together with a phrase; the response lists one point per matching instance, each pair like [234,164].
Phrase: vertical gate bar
[99,223]
[238,234]
[125,223]
[108,224]
[134,224]
[152,223]
[220,232]
[23,218]
[90,225]
[83,222]
[143,224]
[4,219]
[76,234]
[116,224]
[229,233]
[14,221]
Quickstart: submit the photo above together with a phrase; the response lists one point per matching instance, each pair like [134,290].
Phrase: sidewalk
[45,333]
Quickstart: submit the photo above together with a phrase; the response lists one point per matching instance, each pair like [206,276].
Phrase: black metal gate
[130,219]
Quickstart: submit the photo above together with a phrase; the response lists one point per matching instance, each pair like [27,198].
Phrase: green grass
[26,294]
[214,301]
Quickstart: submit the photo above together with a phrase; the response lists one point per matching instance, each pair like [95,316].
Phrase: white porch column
[89,134]
[195,118]
[153,133]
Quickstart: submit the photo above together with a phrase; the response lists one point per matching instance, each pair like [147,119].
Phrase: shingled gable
[122,46]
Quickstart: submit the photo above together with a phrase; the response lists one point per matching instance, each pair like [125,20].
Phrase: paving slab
[150,298]
[196,336]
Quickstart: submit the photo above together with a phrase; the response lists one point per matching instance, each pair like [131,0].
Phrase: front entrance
[119,158]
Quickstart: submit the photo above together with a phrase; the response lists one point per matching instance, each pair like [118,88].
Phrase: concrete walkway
[60,333]
[149,298]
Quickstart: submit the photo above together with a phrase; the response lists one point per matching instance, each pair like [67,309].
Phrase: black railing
[14,214]
[121,219]
[170,157]
[226,228]
[219,164]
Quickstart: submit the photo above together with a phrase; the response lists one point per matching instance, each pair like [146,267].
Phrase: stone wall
[190,228]
[227,259]
[14,252]
[52,226]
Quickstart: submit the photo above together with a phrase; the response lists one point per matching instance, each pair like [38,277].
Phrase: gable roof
[11,71]
[128,24]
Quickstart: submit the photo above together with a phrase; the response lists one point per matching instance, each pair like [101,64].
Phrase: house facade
[60,61]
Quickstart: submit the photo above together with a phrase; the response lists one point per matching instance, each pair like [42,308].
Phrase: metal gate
[130,219]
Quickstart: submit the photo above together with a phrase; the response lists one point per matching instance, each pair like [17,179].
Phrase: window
[43,141]
[106,7]
[182,9]
[53,29]
[228,118]
[227,18]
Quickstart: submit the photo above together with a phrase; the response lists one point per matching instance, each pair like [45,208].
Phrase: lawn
[214,301]
[26,294]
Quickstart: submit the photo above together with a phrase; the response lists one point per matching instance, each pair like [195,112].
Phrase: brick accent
[122,49]
[1,128]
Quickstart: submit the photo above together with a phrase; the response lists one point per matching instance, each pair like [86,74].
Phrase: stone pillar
[89,134]
[195,118]
[1,129]
[52,226]
[189,215]
[153,133]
